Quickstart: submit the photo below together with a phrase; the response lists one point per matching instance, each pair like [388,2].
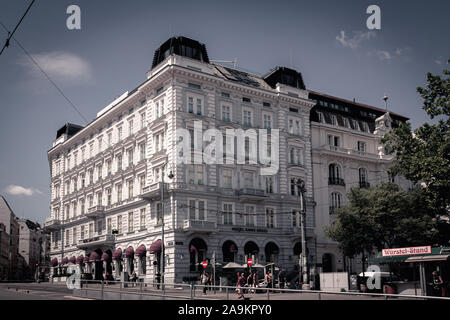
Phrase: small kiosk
[412,269]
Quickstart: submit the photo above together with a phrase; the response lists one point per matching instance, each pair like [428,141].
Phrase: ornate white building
[107,177]
[346,153]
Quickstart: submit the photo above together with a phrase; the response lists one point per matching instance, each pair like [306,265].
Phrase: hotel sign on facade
[406,251]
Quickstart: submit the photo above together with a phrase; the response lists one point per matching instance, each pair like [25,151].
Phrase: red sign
[250,262]
[406,251]
[205,264]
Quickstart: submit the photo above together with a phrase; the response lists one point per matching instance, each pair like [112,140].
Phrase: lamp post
[163,257]
[304,255]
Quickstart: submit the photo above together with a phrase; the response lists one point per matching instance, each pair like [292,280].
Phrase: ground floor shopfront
[184,254]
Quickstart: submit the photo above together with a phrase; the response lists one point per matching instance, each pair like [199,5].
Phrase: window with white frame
[141,182]
[336,200]
[130,188]
[226,113]
[295,218]
[196,174]
[119,134]
[130,156]
[191,104]
[247,117]
[109,144]
[74,235]
[270,217]
[119,224]
[228,213]
[249,215]
[119,162]
[197,209]
[269,184]
[159,213]
[248,179]
[142,218]
[108,196]
[108,225]
[227,175]
[294,126]
[141,151]
[267,121]
[362,146]
[130,127]
[333,141]
[142,120]
[130,221]
[119,192]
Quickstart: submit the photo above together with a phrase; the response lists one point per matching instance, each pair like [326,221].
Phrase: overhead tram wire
[10,34]
[47,76]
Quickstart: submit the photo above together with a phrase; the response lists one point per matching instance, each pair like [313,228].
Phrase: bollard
[120,290]
[228,295]
[319,296]
[268,294]
[103,297]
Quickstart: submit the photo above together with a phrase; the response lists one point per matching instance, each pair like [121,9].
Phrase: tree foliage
[424,155]
[384,216]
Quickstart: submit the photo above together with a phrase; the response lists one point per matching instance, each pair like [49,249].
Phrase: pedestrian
[133,277]
[204,281]
[281,279]
[241,285]
[250,279]
[437,285]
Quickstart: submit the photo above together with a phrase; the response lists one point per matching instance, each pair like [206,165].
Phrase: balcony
[52,224]
[153,191]
[96,212]
[193,226]
[97,241]
[364,185]
[332,181]
[247,194]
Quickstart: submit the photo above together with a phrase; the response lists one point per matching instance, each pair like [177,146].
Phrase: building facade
[346,153]
[30,248]
[117,182]
[110,183]
[9,220]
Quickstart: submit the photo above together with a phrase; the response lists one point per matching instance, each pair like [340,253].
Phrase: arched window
[271,250]
[197,253]
[334,175]
[229,251]
[362,175]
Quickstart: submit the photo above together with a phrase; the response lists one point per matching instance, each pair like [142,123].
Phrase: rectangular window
[142,182]
[74,235]
[248,179]
[141,151]
[108,197]
[267,121]
[158,213]
[119,134]
[130,127]
[142,218]
[227,213]
[130,221]
[226,113]
[295,218]
[270,218]
[199,107]
[109,142]
[91,230]
[82,233]
[142,120]
[247,118]
[108,167]
[269,185]
[362,146]
[227,178]
[119,224]
[190,105]
[192,208]
[119,192]
[130,189]
[130,157]
[250,216]
[119,162]
[108,226]
[245,99]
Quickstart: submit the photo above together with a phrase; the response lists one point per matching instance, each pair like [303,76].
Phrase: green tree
[384,216]
[423,155]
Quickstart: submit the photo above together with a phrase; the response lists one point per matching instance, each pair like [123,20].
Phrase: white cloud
[383,55]
[16,190]
[60,66]
[439,62]
[354,41]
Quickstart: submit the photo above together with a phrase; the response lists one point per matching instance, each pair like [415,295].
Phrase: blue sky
[327,41]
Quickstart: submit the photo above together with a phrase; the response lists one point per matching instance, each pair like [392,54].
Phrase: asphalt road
[35,291]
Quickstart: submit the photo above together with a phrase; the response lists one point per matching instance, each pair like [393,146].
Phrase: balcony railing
[106,239]
[52,224]
[252,193]
[199,226]
[336,181]
[96,211]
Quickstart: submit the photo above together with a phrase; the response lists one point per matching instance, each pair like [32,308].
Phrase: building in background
[30,246]
[8,219]
[346,153]
[4,252]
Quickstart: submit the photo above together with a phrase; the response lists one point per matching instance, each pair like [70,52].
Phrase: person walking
[204,278]
[250,279]
[437,285]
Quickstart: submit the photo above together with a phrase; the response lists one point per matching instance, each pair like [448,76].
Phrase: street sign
[406,251]
[250,262]
[205,264]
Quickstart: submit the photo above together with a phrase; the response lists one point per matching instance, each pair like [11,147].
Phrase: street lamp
[163,257]
[304,256]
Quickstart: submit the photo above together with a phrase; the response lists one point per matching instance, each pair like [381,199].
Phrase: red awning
[65,260]
[54,262]
[73,259]
[86,259]
[80,259]
[141,251]
[106,257]
[155,248]
[129,253]
[193,248]
[117,254]
[94,256]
